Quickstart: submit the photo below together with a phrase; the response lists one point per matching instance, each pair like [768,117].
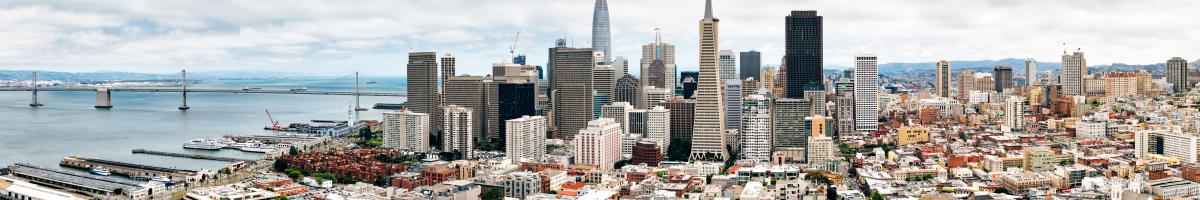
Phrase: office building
[756,128]
[1003,78]
[658,126]
[422,84]
[603,81]
[790,130]
[708,137]
[1031,72]
[598,144]
[619,112]
[448,67]
[1177,75]
[514,100]
[820,147]
[817,99]
[751,65]
[912,134]
[406,130]
[803,56]
[941,82]
[601,35]
[1074,70]
[647,152]
[966,83]
[866,91]
[768,79]
[470,92]
[733,104]
[526,138]
[621,64]
[655,95]
[457,124]
[683,113]
[658,63]
[1039,159]
[1121,84]
[844,114]
[571,81]
[1180,145]
[727,62]
[628,89]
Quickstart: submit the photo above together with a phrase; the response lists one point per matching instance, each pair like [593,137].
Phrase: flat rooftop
[73,178]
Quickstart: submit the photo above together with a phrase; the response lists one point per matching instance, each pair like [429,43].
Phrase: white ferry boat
[100,171]
[203,144]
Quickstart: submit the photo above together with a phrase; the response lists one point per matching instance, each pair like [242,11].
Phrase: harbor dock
[129,169]
[192,156]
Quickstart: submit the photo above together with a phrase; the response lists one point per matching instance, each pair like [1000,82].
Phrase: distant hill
[128,76]
[1018,66]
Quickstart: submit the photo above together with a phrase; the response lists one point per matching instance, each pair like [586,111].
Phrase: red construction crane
[274,123]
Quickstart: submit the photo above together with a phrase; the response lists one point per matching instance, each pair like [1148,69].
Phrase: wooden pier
[192,156]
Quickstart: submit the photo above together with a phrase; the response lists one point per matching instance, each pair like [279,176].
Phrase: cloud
[329,37]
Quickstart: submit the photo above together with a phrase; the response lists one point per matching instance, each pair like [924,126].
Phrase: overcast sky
[337,38]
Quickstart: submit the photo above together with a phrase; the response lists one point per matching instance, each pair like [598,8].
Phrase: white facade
[658,126]
[457,126]
[1031,72]
[978,97]
[1180,145]
[599,144]
[655,95]
[708,133]
[1090,129]
[1014,113]
[406,130]
[619,112]
[866,93]
[733,103]
[1074,70]
[526,138]
[728,64]
[756,128]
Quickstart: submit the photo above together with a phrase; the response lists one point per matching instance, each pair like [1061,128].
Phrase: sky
[338,37]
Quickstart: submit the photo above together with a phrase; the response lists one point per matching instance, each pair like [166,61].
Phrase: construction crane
[512,49]
[274,123]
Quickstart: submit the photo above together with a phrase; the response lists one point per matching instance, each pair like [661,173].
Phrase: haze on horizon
[332,38]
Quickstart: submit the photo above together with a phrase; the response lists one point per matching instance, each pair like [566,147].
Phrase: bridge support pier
[103,98]
[33,84]
[184,91]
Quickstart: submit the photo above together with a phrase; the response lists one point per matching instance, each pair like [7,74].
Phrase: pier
[129,169]
[192,156]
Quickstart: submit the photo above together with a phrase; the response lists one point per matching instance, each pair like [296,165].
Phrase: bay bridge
[104,94]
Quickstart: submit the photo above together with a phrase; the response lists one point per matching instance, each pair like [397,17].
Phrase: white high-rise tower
[866,92]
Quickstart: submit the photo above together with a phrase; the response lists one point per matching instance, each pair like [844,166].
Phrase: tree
[281,198]
[1002,191]
[326,176]
[294,173]
[876,196]
[491,194]
[831,193]
[1066,162]
[817,177]
[621,163]
[293,151]
[678,150]
[280,165]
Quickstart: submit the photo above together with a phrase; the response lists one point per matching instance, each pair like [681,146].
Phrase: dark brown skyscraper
[572,86]
[804,53]
[422,87]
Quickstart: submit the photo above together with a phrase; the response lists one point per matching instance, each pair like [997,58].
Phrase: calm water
[69,125]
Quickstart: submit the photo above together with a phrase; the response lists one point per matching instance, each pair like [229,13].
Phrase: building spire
[657,35]
[708,9]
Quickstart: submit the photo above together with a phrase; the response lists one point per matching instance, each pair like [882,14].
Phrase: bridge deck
[234,91]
